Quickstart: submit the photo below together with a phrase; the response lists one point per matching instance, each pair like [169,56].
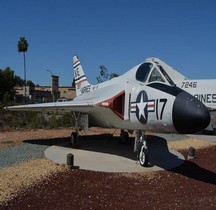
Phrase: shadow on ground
[106,143]
[192,170]
[159,154]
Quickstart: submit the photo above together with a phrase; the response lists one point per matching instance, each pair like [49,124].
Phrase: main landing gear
[73,142]
[141,148]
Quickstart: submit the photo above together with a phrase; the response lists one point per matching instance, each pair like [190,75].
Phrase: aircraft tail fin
[79,76]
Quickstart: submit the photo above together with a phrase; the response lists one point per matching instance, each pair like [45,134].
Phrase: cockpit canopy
[150,72]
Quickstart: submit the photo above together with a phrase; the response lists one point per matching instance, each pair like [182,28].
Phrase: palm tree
[23,47]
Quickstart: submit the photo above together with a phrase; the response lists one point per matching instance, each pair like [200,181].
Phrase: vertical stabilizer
[79,76]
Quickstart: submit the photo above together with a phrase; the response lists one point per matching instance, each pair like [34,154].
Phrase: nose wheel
[143,157]
[141,148]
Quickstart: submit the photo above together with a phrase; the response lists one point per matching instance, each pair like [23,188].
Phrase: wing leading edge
[55,107]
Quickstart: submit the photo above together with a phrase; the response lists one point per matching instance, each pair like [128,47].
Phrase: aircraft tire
[143,157]
[73,138]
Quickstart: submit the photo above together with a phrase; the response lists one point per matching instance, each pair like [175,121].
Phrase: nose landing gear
[141,148]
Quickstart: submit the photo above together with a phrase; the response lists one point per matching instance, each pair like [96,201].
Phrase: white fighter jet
[143,99]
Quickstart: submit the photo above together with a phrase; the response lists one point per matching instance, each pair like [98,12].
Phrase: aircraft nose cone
[189,114]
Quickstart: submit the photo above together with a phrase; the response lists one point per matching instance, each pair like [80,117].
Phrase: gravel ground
[13,138]
[19,146]
[190,186]
[17,154]
[40,184]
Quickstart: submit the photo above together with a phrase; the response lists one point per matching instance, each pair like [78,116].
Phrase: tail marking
[80,80]
[81,83]
[76,64]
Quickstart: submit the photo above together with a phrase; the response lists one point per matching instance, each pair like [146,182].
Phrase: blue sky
[116,33]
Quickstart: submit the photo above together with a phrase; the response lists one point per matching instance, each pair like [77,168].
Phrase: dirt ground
[41,184]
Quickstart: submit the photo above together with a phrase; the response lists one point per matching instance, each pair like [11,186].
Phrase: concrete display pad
[106,154]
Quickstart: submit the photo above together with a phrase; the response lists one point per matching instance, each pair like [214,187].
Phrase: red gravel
[189,186]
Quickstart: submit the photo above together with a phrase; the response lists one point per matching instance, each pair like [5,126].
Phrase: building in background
[67,92]
[54,87]
[42,94]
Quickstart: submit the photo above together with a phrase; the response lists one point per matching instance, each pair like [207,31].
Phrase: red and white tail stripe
[81,81]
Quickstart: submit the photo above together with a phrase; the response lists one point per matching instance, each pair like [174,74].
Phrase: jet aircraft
[143,99]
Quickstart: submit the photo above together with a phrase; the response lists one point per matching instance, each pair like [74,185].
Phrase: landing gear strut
[74,138]
[75,134]
[124,137]
[81,124]
[141,148]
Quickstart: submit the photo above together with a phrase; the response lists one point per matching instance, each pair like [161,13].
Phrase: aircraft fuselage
[203,90]
[155,107]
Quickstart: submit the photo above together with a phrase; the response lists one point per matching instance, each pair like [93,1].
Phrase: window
[156,76]
[143,71]
[166,76]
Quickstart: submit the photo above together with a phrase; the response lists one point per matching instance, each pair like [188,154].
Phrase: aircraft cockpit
[152,72]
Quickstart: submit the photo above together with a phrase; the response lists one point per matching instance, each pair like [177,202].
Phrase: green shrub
[53,122]
[66,120]
[36,120]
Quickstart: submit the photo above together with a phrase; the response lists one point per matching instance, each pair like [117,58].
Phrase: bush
[66,120]
[15,120]
[53,122]
[36,120]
